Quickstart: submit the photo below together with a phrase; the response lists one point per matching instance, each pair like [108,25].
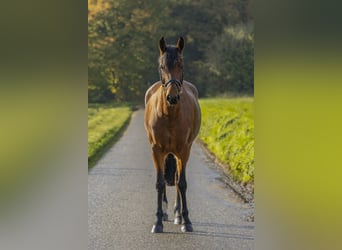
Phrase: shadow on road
[215,233]
[218,225]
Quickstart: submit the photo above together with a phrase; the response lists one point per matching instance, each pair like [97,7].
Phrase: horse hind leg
[165,206]
[177,206]
[169,177]
[177,212]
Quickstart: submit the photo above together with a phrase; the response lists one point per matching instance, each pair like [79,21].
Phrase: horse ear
[180,44]
[162,45]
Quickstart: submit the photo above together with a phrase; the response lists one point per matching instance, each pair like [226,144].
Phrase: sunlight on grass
[104,124]
[228,132]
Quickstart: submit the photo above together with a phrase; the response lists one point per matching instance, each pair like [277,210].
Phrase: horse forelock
[170,58]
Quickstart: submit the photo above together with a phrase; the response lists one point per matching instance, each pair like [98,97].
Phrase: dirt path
[122,202]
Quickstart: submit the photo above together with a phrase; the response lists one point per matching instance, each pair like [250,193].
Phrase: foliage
[232,70]
[123,37]
[104,124]
[228,132]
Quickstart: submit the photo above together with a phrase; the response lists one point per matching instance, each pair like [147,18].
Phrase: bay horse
[172,121]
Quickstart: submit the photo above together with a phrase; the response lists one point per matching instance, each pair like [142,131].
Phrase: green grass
[227,130]
[105,123]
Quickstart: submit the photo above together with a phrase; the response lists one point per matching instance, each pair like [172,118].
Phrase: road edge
[245,192]
[114,138]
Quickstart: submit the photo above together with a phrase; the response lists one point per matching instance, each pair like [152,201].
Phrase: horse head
[171,69]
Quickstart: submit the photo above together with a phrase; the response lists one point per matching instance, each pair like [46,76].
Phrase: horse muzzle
[172,100]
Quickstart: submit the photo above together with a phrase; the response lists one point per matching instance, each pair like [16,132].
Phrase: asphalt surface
[122,201]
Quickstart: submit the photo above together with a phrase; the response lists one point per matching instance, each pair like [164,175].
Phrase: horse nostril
[172,100]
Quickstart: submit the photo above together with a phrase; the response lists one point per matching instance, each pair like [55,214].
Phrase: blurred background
[43,125]
[44,97]
[123,46]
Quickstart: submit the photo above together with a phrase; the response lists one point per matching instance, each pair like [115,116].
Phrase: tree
[232,69]
[123,37]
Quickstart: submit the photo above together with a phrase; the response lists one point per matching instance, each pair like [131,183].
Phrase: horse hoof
[165,217]
[157,229]
[177,220]
[186,228]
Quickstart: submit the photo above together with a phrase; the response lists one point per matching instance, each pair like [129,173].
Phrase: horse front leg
[182,185]
[160,186]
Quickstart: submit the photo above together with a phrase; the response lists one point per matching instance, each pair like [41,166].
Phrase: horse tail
[170,170]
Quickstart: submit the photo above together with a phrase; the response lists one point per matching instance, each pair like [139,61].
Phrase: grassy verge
[227,130]
[105,124]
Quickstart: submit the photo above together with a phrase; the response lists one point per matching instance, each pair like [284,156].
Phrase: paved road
[122,202]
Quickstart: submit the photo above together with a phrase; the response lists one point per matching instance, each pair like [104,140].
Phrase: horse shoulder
[192,88]
[193,93]
[151,90]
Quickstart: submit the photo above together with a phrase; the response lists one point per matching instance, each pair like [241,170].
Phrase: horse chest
[170,138]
